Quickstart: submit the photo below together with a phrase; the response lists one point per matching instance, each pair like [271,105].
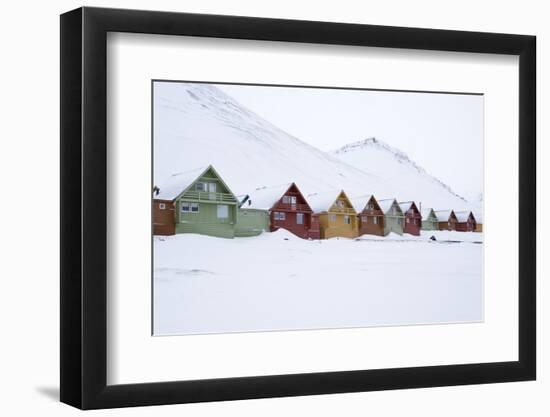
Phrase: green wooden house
[251,222]
[203,203]
[394,219]
[429,219]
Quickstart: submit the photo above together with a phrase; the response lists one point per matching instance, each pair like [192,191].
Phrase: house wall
[290,224]
[367,225]
[412,225]
[163,219]
[393,224]
[337,228]
[479,227]
[468,226]
[251,222]
[430,224]
[446,226]
[314,231]
[206,222]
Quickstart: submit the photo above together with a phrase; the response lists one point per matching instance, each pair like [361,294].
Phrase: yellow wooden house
[337,217]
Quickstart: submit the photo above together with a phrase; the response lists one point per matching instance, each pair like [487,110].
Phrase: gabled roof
[478,215]
[427,213]
[177,183]
[406,205]
[180,182]
[360,202]
[387,203]
[266,197]
[462,215]
[320,202]
[443,215]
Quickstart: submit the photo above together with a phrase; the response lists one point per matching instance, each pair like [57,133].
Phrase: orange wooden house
[371,216]
[446,219]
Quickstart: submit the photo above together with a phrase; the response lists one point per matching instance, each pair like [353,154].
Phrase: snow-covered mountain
[400,172]
[198,124]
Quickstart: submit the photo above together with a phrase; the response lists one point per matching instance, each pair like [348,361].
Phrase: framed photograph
[257,208]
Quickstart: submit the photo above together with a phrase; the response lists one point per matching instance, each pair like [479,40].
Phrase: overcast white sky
[441,132]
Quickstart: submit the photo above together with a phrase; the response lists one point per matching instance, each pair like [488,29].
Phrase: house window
[279,215]
[408,220]
[394,211]
[299,218]
[375,220]
[222,211]
[340,203]
[189,207]
[364,219]
[162,206]
[371,206]
[287,199]
[399,222]
[332,218]
[347,220]
[201,186]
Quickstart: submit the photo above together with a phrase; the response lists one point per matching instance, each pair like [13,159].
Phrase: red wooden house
[288,209]
[413,218]
[466,221]
[163,218]
[371,216]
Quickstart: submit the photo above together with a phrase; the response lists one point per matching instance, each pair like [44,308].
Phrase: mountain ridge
[200,125]
[401,156]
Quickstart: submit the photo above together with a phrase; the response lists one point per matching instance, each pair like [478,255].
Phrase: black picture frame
[84,207]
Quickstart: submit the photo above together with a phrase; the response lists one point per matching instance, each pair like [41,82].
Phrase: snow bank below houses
[425,235]
[277,281]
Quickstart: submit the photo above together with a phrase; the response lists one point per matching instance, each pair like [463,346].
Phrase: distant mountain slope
[197,125]
[379,158]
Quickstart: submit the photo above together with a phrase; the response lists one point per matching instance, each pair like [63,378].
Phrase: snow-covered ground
[277,281]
